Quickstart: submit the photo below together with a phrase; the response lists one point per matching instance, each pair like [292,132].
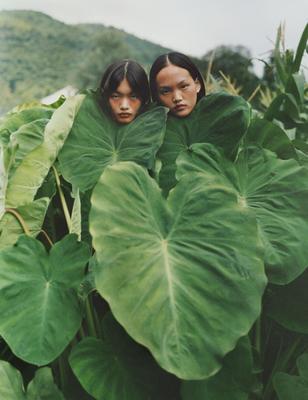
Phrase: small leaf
[290,387]
[11,384]
[42,386]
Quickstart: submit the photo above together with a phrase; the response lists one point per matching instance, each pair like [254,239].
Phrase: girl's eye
[133,96]
[164,91]
[184,86]
[114,96]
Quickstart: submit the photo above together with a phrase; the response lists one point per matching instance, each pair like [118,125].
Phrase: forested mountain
[39,55]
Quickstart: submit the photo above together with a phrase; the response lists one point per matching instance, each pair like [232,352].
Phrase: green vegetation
[161,260]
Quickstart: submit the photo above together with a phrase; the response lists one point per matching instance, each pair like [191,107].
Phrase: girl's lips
[124,115]
[180,107]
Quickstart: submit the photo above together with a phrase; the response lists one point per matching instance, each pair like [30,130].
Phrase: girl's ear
[197,82]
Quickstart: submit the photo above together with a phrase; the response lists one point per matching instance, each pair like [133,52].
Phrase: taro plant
[161,260]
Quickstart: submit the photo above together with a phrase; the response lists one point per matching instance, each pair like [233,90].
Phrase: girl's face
[177,90]
[124,103]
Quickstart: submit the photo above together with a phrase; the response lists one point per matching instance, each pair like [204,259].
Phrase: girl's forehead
[124,87]
[172,75]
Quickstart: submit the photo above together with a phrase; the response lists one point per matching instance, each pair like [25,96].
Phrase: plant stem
[62,198]
[257,338]
[90,319]
[62,374]
[19,219]
[47,237]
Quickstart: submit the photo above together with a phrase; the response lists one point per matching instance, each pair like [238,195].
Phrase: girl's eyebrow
[168,87]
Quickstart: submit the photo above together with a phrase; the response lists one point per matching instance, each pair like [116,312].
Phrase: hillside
[39,54]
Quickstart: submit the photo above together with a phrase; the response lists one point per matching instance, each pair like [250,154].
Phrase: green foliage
[293,387]
[275,190]
[234,62]
[41,387]
[137,233]
[105,48]
[219,118]
[39,303]
[185,274]
[99,141]
[234,381]
[118,368]
[31,214]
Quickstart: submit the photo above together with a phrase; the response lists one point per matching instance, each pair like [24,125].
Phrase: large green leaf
[30,174]
[39,306]
[25,129]
[97,141]
[276,190]
[219,118]
[27,137]
[32,214]
[233,382]
[118,368]
[289,387]
[288,304]
[183,276]
[270,136]
[12,122]
[41,387]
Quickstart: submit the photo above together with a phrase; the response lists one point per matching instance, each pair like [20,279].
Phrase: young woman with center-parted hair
[176,83]
[125,91]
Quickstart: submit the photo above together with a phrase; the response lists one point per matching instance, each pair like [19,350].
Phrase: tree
[235,62]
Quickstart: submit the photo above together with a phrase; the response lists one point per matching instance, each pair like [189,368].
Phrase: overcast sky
[190,26]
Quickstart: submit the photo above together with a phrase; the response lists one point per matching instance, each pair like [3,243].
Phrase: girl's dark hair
[180,60]
[135,75]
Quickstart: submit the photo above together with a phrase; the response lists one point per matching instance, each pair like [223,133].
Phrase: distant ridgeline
[39,55]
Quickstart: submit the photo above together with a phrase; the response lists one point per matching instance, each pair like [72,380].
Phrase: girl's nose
[177,96]
[124,104]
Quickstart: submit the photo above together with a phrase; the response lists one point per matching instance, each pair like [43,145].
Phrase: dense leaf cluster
[164,259]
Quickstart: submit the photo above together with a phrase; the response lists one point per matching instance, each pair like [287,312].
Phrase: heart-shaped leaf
[97,141]
[39,304]
[219,118]
[183,276]
[118,368]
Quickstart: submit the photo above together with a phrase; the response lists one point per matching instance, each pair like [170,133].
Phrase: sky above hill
[193,27]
